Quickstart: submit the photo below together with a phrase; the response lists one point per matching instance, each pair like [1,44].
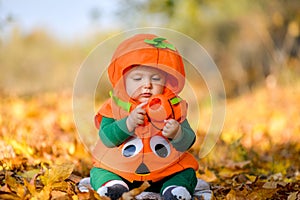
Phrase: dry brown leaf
[231,195]
[229,173]
[57,195]
[14,185]
[83,195]
[261,194]
[274,184]
[91,195]
[136,191]
[237,165]
[74,178]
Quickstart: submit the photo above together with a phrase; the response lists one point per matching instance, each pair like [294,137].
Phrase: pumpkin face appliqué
[138,158]
[158,146]
[147,155]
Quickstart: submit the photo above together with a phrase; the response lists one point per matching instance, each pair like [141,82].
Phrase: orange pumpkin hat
[143,49]
[150,50]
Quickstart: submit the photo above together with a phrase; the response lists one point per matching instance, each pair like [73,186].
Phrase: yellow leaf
[43,194]
[30,187]
[14,185]
[57,173]
[75,197]
[59,195]
[228,173]
[208,176]
[22,148]
[60,186]
[293,196]
[231,195]
[251,178]
[297,175]
[30,173]
[10,196]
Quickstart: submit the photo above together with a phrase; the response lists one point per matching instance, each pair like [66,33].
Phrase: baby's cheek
[134,94]
[158,89]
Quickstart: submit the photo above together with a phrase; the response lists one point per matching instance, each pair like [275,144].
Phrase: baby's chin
[144,99]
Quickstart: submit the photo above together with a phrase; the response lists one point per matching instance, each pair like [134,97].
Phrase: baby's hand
[172,129]
[136,117]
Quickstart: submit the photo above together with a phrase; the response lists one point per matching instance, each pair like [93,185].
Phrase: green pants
[186,178]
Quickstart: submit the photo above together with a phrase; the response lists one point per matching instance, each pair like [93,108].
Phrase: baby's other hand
[172,129]
[136,117]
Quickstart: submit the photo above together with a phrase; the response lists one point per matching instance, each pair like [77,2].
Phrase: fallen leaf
[293,196]
[55,195]
[274,184]
[9,196]
[229,173]
[237,165]
[208,176]
[270,185]
[232,195]
[30,187]
[134,192]
[30,174]
[57,173]
[261,194]
[74,178]
[14,185]
[90,195]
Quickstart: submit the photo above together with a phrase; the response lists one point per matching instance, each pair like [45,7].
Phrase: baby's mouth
[146,95]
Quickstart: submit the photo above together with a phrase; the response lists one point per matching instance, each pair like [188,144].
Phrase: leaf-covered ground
[256,157]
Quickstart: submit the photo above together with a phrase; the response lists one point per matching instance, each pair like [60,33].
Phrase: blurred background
[43,43]
[255,44]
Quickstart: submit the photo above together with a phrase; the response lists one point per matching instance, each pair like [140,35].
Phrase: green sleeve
[113,132]
[187,138]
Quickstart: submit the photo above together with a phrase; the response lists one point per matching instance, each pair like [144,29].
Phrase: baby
[144,133]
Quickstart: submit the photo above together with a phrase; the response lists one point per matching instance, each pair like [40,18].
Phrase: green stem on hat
[159,43]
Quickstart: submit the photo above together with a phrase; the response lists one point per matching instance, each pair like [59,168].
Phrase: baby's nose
[147,84]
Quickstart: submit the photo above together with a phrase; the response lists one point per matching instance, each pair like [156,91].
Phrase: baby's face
[141,82]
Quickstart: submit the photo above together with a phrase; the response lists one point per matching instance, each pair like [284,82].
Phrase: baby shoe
[203,191]
[176,193]
[84,184]
[113,189]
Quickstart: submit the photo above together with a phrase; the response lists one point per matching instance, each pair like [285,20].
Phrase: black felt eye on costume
[132,147]
[160,146]
[129,151]
[161,150]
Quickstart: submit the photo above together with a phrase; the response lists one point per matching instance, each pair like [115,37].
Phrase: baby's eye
[137,78]
[156,78]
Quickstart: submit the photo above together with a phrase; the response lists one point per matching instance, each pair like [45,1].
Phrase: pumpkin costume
[143,154]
